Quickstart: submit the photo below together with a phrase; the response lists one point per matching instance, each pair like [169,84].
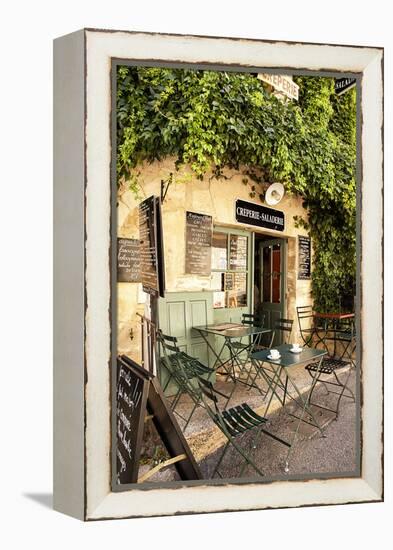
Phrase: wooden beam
[161,466]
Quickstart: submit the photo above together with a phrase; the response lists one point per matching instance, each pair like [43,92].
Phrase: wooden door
[180,311]
[273,282]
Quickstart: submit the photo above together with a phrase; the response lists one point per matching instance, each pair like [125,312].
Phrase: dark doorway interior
[270,280]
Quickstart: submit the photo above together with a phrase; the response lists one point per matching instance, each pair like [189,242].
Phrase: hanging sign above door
[342,85]
[256,214]
[282,84]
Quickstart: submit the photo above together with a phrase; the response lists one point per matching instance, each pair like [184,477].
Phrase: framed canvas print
[218,274]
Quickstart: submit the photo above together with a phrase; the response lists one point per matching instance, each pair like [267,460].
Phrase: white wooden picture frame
[82,255]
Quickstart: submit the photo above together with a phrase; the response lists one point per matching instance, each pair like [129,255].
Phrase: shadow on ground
[45,499]
[329,456]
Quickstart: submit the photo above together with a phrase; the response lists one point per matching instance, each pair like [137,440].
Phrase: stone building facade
[217,198]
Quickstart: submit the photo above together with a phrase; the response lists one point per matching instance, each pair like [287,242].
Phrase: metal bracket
[164,189]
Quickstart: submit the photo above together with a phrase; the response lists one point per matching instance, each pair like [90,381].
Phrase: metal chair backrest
[251,319]
[304,312]
[208,390]
[283,325]
[176,363]
[209,398]
[305,317]
[170,355]
[347,326]
[168,343]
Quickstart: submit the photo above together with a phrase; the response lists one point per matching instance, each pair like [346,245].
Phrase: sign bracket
[164,190]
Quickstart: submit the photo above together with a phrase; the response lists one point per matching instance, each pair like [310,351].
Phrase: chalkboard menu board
[128,261]
[132,390]
[139,394]
[304,257]
[198,243]
[151,247]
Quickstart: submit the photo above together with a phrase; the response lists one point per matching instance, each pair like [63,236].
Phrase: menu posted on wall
[151,247]
[198,243]
[128,261]
[304,257]
[132,390]
[238,253]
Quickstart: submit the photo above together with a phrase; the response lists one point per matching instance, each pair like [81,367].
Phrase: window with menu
[229,269]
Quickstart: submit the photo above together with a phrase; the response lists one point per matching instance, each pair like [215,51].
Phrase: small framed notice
[304,257]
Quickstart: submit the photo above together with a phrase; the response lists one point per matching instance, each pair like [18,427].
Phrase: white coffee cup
[274,353]
[296,347]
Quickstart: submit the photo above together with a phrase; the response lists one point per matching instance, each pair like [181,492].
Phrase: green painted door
[178,312]
[273,282]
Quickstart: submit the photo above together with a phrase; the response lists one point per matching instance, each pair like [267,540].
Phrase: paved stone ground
[312,454]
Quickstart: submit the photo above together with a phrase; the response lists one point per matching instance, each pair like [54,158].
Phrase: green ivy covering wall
[210,120]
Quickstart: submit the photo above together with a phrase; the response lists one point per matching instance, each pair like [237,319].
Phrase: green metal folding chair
[284,326]
[251,320]
[345,334]
[311,326]
[328,376]
[183,369]
[234,423]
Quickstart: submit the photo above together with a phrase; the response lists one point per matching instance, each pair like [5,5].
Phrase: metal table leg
[235,359]
[305,409]
[275,383]
[218,362]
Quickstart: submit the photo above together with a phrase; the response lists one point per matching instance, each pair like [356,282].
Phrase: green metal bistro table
[231,332]
[278,376]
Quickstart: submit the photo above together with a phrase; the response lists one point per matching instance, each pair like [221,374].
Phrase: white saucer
[296,350]
[274,358]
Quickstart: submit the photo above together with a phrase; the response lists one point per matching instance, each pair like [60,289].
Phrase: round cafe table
[230,332]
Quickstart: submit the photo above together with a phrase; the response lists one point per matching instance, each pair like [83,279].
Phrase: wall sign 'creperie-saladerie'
[258,215]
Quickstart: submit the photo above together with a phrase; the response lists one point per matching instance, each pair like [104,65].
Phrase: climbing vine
[212,120]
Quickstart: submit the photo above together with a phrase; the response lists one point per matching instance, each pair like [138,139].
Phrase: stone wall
[213,197]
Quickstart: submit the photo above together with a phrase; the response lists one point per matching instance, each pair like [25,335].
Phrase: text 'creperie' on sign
[281,83]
